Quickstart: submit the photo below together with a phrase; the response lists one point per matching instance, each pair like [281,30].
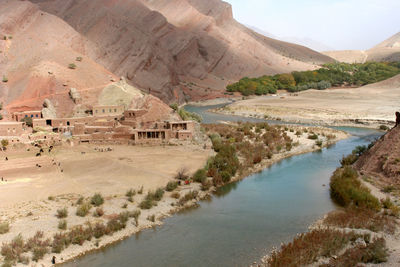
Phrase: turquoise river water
[243,221]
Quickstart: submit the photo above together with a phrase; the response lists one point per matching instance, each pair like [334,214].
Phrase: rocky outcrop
[383,159]
[48,110]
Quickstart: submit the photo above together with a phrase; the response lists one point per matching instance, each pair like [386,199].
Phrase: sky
[339,24]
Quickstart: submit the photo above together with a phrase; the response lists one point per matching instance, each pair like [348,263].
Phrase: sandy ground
[24,199]
[370,106]
[83,169]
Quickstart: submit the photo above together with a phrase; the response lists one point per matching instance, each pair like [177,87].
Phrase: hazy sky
[340,24]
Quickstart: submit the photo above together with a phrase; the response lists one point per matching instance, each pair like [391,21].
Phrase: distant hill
[388,50]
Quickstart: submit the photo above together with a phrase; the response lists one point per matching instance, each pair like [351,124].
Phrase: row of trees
[330,75]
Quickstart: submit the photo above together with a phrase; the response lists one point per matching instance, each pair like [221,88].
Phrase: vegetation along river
[244,220]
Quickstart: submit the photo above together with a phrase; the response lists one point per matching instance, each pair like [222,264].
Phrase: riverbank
[370,106]
[40,216]
[366,219]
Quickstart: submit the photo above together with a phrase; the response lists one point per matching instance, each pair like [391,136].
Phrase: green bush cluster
[189,116]
[333,74]
[346,190]
[151,199]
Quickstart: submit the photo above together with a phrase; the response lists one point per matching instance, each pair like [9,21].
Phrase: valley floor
[369,106]
[31,195]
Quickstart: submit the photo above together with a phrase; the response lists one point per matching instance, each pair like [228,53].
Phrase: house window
[109,110]
[26,116]
[32,116]
[37,116]
[115,110]
[104,110]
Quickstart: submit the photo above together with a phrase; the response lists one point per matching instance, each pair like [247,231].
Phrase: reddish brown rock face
[177,50]
[383,159]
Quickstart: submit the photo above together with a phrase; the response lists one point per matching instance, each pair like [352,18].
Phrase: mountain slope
[388,50]
[178,49]
[36,55]
[383,159]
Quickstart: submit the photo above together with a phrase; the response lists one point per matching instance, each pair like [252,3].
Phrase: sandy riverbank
[369,106]
[25,199]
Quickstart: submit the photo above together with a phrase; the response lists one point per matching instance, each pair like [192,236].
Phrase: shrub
[60,242]
[146,204]
[171,186]
[78,235]
[318,143]
[83,209]
[349,160]
[226,177]
[99,230]
[79,201]
[151,218]
[188,196]
[98,212]
[4,143]
[140,191]
[62,224]
[117,223]
[176,195]
[346,189]
[4,227]
[313,137]
[97,200]
[174,106]
[200,176]
[79,59]
[383,128]
[62,213]
[375,252]
[130,193]
[72,66]
[5,79]
[306,248]
[124,206]
[135,214]
[182,174]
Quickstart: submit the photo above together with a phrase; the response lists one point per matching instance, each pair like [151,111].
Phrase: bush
[60,242]
[318,143]
[83,209]
[313,137]
[62,224]
[175,195]
[28,121]
[97,200]
[174,106]
[79,201]
[5,79]
[130,193]
[135,214]
[186,116]
[151,218]
[188,196]
[78,235]
[375,252]
[72,66]
[306,248]
[383,128]
[99,230]
[346,190]
[4,227]
[200,176]
[62,213]
[79,59]
[182,174]
[171,186]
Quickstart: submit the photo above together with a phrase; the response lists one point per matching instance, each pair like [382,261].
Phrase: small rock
[360,242]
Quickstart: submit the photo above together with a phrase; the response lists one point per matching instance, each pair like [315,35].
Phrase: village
[104,125]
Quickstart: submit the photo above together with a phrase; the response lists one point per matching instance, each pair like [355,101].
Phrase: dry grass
[307,248]
[361,219]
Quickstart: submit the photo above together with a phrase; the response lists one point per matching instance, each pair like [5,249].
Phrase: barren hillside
[382,160]
[388,50]
[179,49]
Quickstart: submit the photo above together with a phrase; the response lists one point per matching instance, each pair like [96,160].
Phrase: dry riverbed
[32,195]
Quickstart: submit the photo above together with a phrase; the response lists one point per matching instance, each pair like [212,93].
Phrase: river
[243,221]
